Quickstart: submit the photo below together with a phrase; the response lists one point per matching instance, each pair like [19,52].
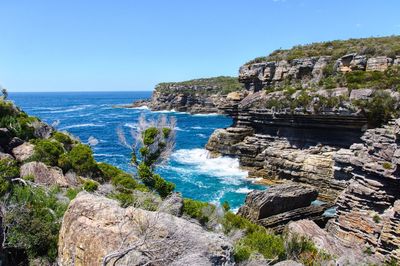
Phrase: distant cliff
[208,95]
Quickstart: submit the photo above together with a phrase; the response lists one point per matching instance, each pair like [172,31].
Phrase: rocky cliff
[211,95]
[300,112]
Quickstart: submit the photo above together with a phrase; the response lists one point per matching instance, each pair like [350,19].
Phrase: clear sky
[82,45]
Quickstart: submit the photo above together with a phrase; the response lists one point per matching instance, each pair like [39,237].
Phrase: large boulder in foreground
[94,227]
[277,199]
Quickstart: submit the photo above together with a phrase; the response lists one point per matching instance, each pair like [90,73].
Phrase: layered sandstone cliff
[211,95]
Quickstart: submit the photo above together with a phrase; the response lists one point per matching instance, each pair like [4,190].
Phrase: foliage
[197,210]
[82,161]
[34,221]
[72,192]
[125,199]
[90,185]
[47,151]
[155,142]
[18,123]
[376,218]
[269,245]
[374,46]
[387,165]
[63,138]
[301,249]
[379,109]
[208,86]
[8,170]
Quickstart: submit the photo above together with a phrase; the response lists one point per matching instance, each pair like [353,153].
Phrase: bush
[47,151]
[232,222]
[71,193]
[155,181]
[8,170]
[379,109]
[269,245]
[81,159]
[125,199]
[387,165]
[34,221]
[197,210]
[90,185]
[63,138]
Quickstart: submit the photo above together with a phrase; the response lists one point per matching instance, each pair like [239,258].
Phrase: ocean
[91,114]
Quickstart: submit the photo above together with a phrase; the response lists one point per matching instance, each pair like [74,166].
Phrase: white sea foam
[170,111]
[243,190]
[224,168]
[131,125]
[180,129]
[210,114]
[108,155]
[144,107]
[82,125]
[201,136]
[72,109]
[198,127]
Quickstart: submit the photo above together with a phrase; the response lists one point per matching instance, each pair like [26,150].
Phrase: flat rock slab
[277,199]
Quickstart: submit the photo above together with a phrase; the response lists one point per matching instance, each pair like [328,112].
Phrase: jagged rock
[42,130]
[14,142]
[23,151]
[360,94]
[277,199]
[379,63]
[367,210]
[95,226]
[173,204]
[44,174]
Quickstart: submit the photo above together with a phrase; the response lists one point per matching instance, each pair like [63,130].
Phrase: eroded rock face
[95,226]
[368,209]
[23,151]
[44,174]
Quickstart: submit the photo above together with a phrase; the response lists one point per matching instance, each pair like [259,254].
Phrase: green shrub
[8,170]
[269,245]
[376,218]
[149,135]
[196,209]
[379,109]
[34,221]
[124,180]
[63,138]
[125,199]
[71,193]
[82,161]
[155,181]
[47,151]
[241,252]
[90,185]
[387,165]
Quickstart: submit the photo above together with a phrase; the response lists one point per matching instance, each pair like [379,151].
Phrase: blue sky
[75,45]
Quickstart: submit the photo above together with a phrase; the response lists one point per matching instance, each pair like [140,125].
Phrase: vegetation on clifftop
[215,85]
[373,46]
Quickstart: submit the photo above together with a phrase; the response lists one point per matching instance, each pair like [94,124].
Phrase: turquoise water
[90,114]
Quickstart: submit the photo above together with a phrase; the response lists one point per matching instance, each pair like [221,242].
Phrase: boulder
[5,137]
[23,151]
[95,227]
[42,130]
[44,174]
[277,199]
[360,94]
[14,142]
[6,156]
[379,63]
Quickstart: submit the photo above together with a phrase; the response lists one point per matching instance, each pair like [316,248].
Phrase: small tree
[154,142]
[4,92]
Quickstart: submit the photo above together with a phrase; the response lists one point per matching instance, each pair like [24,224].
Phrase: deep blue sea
[91,114]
